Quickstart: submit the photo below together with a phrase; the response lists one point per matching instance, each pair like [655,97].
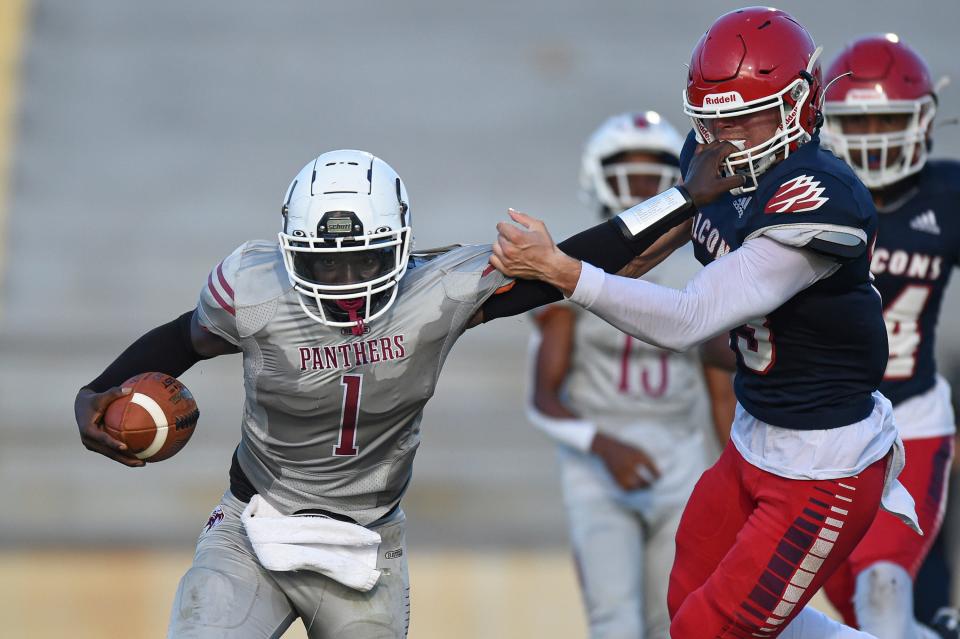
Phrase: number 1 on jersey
[347,444]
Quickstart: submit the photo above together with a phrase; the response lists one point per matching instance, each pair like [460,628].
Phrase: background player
[343,336]
[879,117]
[631,420]
[787,271]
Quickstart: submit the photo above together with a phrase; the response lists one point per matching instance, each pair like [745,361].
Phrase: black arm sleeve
[604,245]
[165,349]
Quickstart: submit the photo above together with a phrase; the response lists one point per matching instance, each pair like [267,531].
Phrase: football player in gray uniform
[630,419]
[343,333]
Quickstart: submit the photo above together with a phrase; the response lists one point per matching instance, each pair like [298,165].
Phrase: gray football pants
[227,593]
[624,542]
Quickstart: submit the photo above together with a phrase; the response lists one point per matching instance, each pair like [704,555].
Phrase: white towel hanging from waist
[342,551]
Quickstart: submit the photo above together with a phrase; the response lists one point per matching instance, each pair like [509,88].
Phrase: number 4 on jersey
[902,317]
[347,443]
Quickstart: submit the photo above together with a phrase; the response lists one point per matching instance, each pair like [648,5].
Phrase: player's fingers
[521,218]
[724,148]
[496,263]
[100,436]
[501,259]
[126,460]
[112,394]
[504,249]
[497,247]
[123,457]
[645,461]
[645,465]
[104,399]
[643,473]
[627,480]
[511,232]
[539,227]
[530,223]
[733,181]
[639,480]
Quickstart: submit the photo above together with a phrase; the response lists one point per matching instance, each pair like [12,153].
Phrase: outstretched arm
[604,245]
[634,241]
[742,285]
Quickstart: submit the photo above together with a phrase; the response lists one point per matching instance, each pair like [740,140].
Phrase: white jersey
[332,420]
[929,414]
[625,386]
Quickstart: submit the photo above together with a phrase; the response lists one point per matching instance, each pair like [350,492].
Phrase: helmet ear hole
[818,119]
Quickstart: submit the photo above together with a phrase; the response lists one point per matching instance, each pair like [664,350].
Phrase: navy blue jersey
[814,362]
[917,246]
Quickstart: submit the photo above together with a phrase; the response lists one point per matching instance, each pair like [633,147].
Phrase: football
[155,420]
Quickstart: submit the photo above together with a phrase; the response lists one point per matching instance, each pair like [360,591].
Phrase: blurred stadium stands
[149,139]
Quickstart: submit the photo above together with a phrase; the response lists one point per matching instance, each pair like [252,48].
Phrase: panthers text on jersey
[331,420]
[918,244]
[814,362]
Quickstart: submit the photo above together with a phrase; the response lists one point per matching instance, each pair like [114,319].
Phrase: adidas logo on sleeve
[741,205]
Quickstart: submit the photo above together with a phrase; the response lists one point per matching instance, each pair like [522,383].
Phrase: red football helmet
[751,60]
[880,75]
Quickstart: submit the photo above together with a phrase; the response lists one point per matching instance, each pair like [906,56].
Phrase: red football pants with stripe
[754,547]
[889,539]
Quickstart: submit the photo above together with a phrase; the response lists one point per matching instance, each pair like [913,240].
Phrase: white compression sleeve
[742,285]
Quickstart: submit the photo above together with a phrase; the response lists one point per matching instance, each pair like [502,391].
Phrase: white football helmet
[644,132]
[346,237]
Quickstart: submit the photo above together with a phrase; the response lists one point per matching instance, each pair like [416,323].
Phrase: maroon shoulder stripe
[223,281]
[216,295]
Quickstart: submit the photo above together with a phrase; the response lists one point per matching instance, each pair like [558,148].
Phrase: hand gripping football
[156,419]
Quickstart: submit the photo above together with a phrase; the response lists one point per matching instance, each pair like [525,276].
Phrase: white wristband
[578,434]
[645,215]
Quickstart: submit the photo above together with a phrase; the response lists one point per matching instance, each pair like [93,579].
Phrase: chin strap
[351,307]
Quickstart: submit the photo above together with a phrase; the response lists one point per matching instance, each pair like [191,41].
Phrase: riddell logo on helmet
[866,95]
[720,99]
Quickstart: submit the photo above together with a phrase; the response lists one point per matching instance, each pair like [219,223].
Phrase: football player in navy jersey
[814,450]
[635,426]
[879,113]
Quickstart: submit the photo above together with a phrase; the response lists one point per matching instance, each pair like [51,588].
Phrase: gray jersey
[332,420]
[618,381]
